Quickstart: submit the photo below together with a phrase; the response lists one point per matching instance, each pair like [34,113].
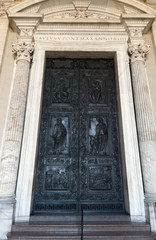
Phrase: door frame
[132,179]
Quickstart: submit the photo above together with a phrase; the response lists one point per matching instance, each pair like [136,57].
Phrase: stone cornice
[26,15]
[18,21]
[140,21]
[78,27]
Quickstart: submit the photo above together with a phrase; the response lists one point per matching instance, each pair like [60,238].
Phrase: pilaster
[23,51]
[138,52]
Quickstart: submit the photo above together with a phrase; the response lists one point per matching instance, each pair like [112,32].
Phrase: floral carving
[138,52]
[23,51]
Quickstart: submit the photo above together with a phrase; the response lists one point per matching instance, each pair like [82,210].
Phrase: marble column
[13,133]
[145,124]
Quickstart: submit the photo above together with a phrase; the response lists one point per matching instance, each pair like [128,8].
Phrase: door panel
[79,158]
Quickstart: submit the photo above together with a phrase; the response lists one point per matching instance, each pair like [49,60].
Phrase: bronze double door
[78,162]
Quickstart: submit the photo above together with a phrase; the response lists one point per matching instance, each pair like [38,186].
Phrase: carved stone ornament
[136,33]
[138,52]
[4,7]
[82,14]
[23,51]
[81,9]
[26,32]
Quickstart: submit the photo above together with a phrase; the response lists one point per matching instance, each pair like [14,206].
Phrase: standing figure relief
[98,141]
[95,91]
[59,136]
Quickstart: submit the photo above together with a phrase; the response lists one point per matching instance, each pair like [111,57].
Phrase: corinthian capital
[138,52]
[23,51]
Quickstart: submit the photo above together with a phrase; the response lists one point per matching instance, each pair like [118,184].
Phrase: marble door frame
[132,178]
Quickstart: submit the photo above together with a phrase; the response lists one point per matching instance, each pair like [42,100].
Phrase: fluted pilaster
[15,120]
[145,122]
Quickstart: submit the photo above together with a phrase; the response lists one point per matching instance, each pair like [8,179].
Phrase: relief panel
[100,177]
[57,178]
[62,90]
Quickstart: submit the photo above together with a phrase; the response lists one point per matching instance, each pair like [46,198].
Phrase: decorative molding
[138,52]
[81,4]
[4,6]
[118,3]
[129,9]
[57,9]
[139,22]
[32,9]
[107,9]
[79,28]
[23,51]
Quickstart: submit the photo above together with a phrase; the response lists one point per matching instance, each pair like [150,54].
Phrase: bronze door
[79,156]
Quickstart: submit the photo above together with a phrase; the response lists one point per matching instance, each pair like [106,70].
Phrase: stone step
[69,230]
[100,235]
[75,227]
[77,218]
